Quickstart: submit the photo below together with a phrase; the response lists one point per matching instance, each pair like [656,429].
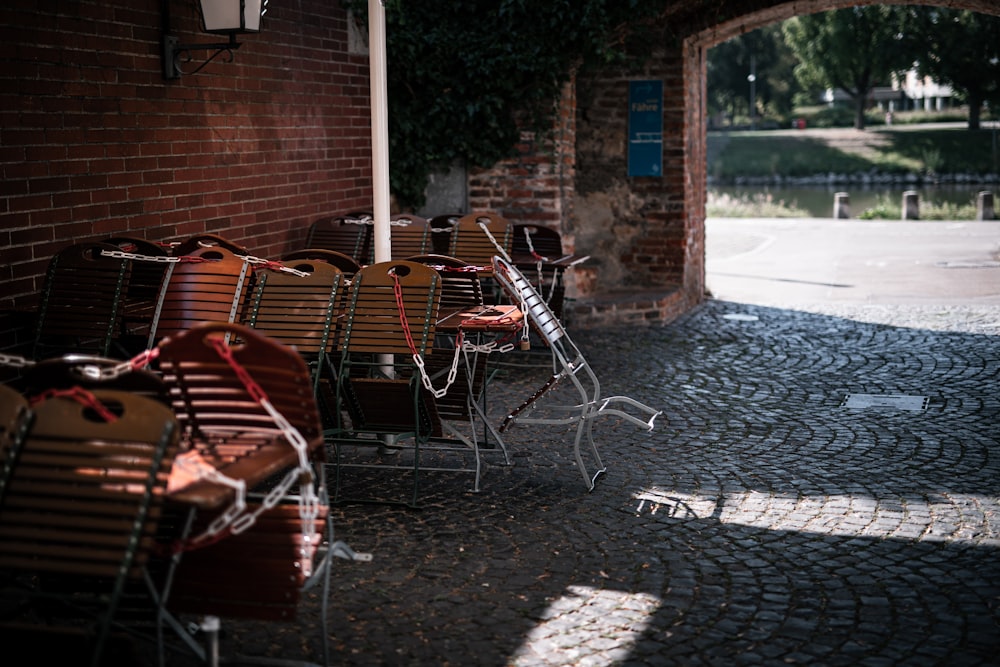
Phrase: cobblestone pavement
[763,522]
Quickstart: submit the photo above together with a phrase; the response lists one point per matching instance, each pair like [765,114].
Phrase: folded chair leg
[585,429]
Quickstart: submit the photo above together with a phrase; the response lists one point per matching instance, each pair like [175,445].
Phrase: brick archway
[647,235]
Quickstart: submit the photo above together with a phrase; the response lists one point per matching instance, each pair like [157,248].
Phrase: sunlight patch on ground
[577,628]
[938,516]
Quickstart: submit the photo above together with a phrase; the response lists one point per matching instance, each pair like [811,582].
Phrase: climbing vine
[465,78]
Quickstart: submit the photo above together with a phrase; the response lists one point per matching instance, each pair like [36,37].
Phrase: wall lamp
[219,17]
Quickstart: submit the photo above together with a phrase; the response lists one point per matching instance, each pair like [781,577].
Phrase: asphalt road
[786,261]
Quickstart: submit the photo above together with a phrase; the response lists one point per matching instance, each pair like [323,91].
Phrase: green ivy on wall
[465,78]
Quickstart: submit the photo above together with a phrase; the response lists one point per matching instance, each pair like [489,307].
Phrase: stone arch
[648,234]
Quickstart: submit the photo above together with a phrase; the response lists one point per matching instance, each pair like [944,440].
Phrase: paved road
[795,261]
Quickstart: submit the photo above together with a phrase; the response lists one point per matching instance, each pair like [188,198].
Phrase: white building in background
[924,92]
[913,92]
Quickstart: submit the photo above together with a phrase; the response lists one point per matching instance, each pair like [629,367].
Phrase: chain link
[15,361]
[500,250]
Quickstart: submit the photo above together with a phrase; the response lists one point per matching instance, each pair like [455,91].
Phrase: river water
[818,200]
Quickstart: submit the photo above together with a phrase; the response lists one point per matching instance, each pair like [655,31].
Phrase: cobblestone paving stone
[761,523]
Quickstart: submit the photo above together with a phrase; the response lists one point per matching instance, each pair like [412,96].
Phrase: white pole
[380,146]
[380,128]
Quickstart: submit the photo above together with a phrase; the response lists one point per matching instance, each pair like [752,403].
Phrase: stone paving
[763,522]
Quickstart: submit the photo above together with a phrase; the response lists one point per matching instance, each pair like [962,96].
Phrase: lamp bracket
[176,56]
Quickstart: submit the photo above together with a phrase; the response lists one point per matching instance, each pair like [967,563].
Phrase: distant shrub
[884,209]
[760,205]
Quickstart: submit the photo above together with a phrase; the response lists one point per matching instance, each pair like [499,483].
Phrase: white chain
[452,372]
[121,254]
[249,259]
[503,253]
[15,361]
[487,348]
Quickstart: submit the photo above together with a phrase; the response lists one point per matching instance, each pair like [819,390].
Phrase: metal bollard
[911,205]
[984,206]
[841,205]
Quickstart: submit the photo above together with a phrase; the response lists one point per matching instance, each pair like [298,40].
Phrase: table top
[500,318]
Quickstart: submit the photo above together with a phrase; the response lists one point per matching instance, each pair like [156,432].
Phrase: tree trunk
[975,108]
[859,112]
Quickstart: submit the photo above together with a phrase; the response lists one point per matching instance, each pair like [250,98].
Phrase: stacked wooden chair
[242,471]
[252,476]
[82,494]
[347,264]
[478,237]
[143,289]
[350,234]
[206,284]
[81,303]
[441,228]
[538,253]
[390,416]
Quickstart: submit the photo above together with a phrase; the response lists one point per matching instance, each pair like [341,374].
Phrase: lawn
[803,153]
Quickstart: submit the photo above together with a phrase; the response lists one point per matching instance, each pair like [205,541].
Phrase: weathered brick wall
[95,142]
[536,186]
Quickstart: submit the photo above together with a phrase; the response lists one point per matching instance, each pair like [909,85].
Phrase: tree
[960,48]
[849,49]
[465,78]
[762,51]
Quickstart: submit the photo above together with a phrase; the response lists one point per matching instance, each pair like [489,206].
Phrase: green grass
[760,205]
[923,152]
[889,210]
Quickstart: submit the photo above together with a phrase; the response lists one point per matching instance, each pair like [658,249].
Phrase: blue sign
[645,128]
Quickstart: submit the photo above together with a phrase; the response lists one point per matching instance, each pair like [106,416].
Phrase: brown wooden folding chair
[442,226]
[460,285]
[347,264]
[349,234]
[389,416]
[300,304]
[208,285]
[478,237]
[252,472]
[81,497]
[80,309]
[409,235]
[538,253]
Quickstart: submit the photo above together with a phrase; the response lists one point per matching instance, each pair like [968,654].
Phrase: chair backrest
[409,235]
[441,227]
[198,241]
[210,286]
[298,310]
[81,301]
[531,242]
[15,417]
[347,264]
[521,292]
[145,280]
[248,410]
[379,293]
[88,372]
[82,489]
[460,284]
[477,236]
[220,415]
[349,234]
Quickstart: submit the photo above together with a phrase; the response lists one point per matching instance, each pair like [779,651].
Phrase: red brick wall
[95,142]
